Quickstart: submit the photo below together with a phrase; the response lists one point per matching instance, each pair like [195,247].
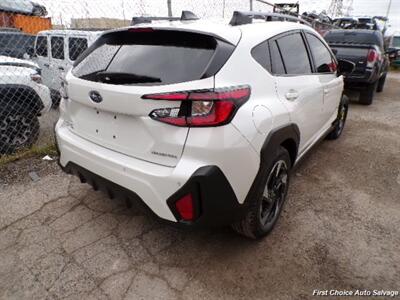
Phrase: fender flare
[273,141]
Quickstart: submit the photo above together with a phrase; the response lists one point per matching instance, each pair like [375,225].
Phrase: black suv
[365,48]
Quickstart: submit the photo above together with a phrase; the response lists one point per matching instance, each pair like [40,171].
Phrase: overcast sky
[65,9]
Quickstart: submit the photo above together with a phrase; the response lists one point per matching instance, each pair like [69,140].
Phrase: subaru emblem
[95,96]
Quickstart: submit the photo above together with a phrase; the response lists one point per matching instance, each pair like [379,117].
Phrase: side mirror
[334,51]
[345,67]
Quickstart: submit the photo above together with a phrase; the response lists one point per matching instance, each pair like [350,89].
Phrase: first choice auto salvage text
[356,293]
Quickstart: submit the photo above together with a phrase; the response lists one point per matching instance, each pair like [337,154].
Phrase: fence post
[169,3]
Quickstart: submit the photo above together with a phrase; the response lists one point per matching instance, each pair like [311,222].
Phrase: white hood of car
[17,61]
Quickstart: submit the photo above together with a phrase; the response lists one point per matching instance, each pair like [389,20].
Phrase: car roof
[20,33]
[272,28]
[70,32]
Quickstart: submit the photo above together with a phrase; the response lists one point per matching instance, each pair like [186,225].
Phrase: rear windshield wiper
[124,78]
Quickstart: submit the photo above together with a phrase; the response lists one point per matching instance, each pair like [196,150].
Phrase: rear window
[152,57]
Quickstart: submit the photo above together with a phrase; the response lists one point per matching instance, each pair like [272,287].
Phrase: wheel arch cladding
[19,98]
[287,136]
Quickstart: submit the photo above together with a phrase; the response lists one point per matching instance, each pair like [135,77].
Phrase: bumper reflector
[185,207]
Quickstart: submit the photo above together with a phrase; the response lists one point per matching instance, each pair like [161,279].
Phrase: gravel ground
[47,122]
[340,230]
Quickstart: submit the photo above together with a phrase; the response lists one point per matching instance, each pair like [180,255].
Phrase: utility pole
[123,9]
[223,9]
[251,5]
[388,9]
[169,3]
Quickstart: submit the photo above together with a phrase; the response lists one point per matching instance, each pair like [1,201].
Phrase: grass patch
[35,151]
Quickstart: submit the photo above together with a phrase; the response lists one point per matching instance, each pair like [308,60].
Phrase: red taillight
[201,108]
[332,67]
[185,207]
[141,29]
[372,57]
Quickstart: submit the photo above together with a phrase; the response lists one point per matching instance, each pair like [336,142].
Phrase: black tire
[263,211]
[367,95]
[18,131]
[340,121]
[381,83]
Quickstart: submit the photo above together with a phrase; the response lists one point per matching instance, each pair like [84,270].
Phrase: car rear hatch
[355,53]
[108,82]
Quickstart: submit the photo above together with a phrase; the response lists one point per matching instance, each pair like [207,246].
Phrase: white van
[56,51]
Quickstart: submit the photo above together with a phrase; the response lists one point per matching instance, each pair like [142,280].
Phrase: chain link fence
[39,42]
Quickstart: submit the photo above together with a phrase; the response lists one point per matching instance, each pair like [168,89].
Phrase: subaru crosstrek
[201,121]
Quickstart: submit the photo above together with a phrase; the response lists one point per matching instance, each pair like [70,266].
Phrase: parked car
[56,52]
[22,99]
[201,121]
[394,51]
[25,7]
[15,43]
[366,49]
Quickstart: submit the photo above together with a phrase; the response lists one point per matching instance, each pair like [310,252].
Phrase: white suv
[201,121]
[23,98]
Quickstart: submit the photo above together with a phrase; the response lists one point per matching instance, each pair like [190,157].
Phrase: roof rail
[186,16]
[247,17]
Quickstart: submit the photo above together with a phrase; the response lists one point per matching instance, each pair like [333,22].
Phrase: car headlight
[398,52]
[36,78]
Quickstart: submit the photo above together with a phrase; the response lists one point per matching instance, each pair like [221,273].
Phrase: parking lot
[339,230]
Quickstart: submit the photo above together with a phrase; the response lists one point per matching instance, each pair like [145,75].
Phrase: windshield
[396,41]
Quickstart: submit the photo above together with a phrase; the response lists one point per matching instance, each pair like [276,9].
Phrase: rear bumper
[218,208]
[356,81]
[158,187]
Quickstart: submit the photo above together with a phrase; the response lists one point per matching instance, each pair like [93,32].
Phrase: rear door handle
[47,65]
[292,95]
[61,68]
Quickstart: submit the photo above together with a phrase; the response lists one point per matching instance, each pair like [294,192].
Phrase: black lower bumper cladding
[214,199]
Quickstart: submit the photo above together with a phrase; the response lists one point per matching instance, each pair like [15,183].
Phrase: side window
[76,46]
[322,57]
[41,46]
[57,47]
[276,59]
[261,54]
[294,54]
